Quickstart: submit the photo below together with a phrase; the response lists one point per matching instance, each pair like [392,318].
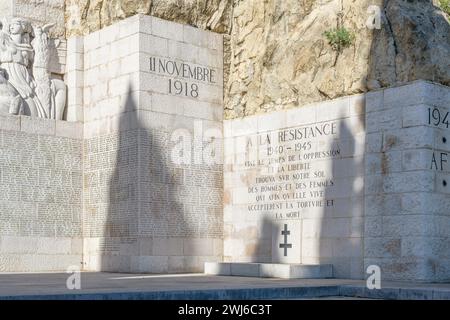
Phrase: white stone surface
[141,211]
[133,113]
[10,122]
[40,194]
[37,126]
[75,79]
[358,180]
[392,159]
[269,270]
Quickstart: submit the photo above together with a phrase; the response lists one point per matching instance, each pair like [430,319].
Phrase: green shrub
[445,5]
[339,38]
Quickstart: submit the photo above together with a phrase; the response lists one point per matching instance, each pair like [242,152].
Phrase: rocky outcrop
[84,16]
[281,59]
[414,43]
[276,54]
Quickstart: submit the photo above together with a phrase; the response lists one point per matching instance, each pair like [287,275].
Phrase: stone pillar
[151,87]
[407,185]
[75,79]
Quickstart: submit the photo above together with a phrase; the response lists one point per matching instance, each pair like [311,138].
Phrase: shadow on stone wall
[144,214]
[341,230]
[337,235]
[262,250]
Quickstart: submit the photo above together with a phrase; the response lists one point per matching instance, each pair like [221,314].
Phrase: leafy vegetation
[445,5]
[340,38]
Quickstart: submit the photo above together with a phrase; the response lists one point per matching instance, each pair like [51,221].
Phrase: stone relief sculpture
[10,100]
[24,65]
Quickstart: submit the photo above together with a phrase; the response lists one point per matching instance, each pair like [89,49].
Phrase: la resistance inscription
[289,165]
[183,77]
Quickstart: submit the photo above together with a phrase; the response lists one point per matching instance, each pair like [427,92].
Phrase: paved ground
[198,286]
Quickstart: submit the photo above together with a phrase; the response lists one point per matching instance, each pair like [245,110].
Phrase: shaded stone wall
[143,212]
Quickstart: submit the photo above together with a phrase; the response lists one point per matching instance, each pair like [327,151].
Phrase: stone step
[270,270]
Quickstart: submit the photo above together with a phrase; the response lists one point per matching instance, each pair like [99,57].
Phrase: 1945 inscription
[291,177]
[440,119]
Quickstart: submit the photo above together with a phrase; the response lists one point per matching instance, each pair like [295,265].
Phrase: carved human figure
[16,58]
[10,100]
[25,58]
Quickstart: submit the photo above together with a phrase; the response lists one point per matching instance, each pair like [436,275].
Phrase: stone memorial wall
[152,115]
[358,181]
[40,194]
[145,176]
[140,188]
[294,186]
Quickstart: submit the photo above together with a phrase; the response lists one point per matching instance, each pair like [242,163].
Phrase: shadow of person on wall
[145,222]
[335,235]
[261,250]
[340,233]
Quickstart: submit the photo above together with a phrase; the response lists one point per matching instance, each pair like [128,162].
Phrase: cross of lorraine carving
[285,245]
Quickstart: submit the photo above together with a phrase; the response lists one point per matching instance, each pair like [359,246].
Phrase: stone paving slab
[269,270]
[101,286]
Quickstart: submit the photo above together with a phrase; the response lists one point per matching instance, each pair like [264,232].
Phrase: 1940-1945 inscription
[291,173]
[439,119]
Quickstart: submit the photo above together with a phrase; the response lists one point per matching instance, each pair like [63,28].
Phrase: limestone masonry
[145,79]
[358,181]
[40,194]
[136,88]
[122,147]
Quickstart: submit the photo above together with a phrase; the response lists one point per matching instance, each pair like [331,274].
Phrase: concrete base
[269,270]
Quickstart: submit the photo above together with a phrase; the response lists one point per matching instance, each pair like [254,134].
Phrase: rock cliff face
[414,43]
[84,16]
[276,54]
[281,59]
